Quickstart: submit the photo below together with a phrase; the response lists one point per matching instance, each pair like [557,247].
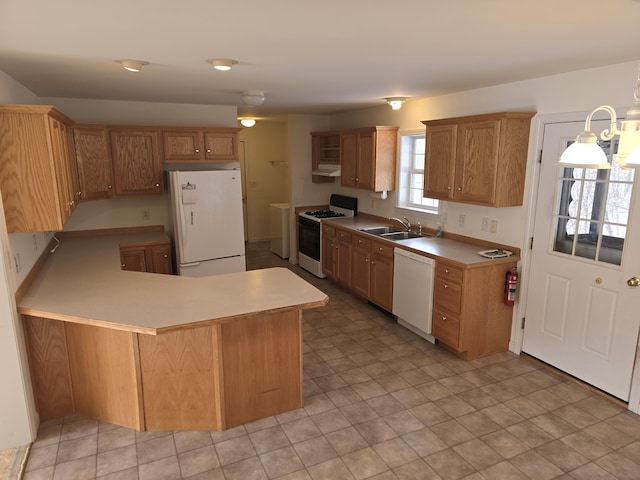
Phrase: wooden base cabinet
[478,160]
[336,254]
[209,377]
[469,314]
[151,257]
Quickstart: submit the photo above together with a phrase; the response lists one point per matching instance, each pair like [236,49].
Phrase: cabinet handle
[197,150]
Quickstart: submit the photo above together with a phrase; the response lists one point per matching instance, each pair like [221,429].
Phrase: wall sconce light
[396,102]
[253,98]
[585,151]
[247,122]
[222,64]
[132,65]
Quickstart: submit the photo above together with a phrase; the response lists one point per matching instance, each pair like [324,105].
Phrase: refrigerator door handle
[187,265]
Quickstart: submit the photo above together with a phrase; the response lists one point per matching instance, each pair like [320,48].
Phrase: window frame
[406,168]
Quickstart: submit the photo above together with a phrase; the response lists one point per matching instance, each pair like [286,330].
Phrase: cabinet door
[343,260]
[348,159]
[133,259]
[221,146]
[361,268]
[382,276]
[94,162]
[366,164]
[180,146]
[136,162]
[160,259]
[63,170]
[328,254]
[440,160]
[477,162]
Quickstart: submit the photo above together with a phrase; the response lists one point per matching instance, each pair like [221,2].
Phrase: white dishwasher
[413,291]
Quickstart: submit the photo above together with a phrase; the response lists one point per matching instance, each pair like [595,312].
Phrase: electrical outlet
[493,226]
[146,214]
[485,224]
[461,219]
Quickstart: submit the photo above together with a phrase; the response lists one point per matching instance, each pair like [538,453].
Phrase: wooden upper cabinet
[368,158]
[94,161]
[137,165]
[479,160]
[325,154]
[202,144]
[37,182]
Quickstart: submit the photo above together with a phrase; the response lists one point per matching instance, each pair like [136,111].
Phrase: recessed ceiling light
[222,64]
[247,122]
[132,65]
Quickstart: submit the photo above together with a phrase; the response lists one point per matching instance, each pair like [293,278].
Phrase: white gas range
[310,231]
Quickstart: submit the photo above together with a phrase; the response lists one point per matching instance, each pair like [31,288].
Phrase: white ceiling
[321,56]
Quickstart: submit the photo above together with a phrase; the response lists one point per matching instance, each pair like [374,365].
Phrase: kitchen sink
[401,235]
[382,230]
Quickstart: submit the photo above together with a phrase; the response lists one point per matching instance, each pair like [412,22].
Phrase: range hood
[327,171]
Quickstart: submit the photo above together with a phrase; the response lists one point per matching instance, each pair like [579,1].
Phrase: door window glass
[593,210]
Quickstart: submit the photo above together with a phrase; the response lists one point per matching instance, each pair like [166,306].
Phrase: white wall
[18,418]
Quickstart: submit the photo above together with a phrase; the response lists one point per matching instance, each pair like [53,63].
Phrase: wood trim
[110,231]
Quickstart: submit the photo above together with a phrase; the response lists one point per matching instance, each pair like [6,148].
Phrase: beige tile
[199,460]
[503,471]
[430,414]
[78,427]
[42,457]
[530,434]
[77,448]
[395,452]
[128,474]
[280,462]
[155,449]
[478,423]
[403,422]
[410,397]
[385,405]
[330,470]
[81,469]
[190,440]
[330,382]
[269,439]
[454,406]
[619,466]
[477,398]
[627,422]
[343,396]
[599,407]
[553,424]
[234,450]
[591,471]
[546,399]
[525,407]
[393,382]
[535,466]
[449,465]
[375,431]
[424,442]
[115,438]
[364,463]
[478,454]
[369,389]
[609,435]
[48,436]
[300,430]
[418,469]
[358,412]
[355,375]
[330,421]
[502,415]
[416,376]
[165,469]
[317,404]
[314,451]
[505,443]
[576,416]
[116,460]
[451,432]
[41,474]
[248,469]
[346,440]
[499,392]
[560,454]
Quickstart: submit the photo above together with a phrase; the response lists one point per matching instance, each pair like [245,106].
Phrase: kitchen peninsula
[162,352]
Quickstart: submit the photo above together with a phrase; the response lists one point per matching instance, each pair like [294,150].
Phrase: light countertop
[454,251]
[82,282]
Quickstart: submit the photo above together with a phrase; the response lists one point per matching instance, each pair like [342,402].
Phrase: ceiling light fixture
[396,102]
[222,64]
[253,98]
[585,151]
[132,65]
[247,122]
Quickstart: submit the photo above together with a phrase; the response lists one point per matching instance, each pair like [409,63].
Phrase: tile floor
[382,404]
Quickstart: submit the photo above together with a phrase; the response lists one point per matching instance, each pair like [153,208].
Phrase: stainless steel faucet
[406,223]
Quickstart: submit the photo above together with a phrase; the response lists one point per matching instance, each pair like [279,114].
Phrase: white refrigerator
[208,229]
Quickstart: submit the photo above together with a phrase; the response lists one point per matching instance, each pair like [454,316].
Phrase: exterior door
[581,314]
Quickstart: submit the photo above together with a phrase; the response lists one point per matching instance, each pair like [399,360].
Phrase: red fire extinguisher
[510,285]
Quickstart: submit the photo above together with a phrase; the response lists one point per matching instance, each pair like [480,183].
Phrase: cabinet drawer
[450,272]
[342,235]
[447,295]
[361,242]
[327,230]
[382,249]
[446,328]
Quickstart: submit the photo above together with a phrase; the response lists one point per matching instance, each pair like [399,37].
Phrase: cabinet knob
[208,150]
[123,265]
[449,187]
[197,150]
[459,189]
[357,179]
[166,256]
[380,248]
[446,286]
[446,270]
[109,187]
[444,319]
[157,185]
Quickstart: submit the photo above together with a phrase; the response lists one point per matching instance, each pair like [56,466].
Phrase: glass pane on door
[593,210]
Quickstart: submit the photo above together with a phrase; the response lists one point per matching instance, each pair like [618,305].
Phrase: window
[412,148]
[593,211]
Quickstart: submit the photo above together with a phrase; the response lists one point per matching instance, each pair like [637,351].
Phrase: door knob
[633,282]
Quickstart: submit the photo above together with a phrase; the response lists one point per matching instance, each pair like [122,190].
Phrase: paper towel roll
[379,195]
